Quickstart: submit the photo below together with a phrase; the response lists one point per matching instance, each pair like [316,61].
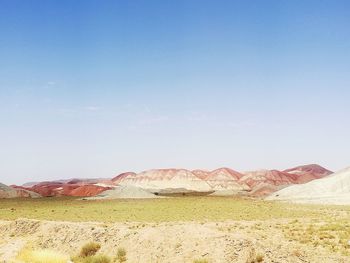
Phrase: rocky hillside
[223,181]
[332,189]
[306,173]
[47,189]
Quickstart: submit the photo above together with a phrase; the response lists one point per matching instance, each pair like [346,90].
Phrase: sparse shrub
[101,259]
[200,261]
[254,257]
[178,245]
[251,256]
[259,257]
[92,259]
[297,253]
[89,249]
[121,255]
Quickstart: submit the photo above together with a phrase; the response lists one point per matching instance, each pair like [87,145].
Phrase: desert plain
[173,229]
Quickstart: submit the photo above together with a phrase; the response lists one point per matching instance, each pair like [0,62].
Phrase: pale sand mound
[333,189]
[10,192]
[124,192]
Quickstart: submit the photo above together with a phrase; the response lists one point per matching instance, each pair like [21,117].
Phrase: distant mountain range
[219,182]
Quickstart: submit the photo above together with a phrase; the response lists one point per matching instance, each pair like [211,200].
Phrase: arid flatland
[183,229]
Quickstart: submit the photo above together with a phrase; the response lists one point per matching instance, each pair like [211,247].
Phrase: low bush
[200,261]
[92,259]
[121,255]
[90,249]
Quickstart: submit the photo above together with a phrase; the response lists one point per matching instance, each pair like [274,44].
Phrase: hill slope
[332,189]
[9,192]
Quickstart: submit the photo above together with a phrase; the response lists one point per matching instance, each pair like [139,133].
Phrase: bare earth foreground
[182,229]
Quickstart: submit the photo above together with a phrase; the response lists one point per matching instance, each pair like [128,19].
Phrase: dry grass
[254,257]
[121,255]
[330,233]
[92,259]
[42,256]
[90,249]
[88,254]
[259,257]
[200,261]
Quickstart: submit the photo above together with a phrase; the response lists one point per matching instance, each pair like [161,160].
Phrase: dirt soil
[231,241]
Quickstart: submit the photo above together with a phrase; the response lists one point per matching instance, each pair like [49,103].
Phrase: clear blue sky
[94,88]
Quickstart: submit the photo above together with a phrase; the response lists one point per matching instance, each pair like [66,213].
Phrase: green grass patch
[160,210]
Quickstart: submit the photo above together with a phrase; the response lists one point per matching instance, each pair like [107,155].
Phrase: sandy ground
[123,192]
[163,242]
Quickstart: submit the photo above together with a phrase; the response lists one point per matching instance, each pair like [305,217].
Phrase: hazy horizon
[93,89]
